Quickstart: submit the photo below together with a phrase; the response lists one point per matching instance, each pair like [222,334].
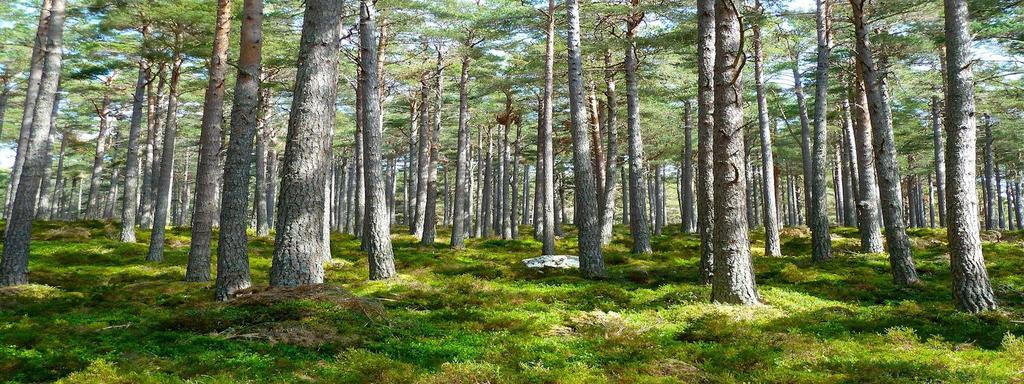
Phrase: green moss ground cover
[98,313]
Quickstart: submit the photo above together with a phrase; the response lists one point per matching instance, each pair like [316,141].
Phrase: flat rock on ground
[553,261]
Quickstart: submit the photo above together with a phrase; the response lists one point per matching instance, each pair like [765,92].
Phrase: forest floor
[98,313]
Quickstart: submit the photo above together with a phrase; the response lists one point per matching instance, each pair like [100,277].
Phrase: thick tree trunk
[232,241]
[586,208]
[209,170]
[131,168]
[638,220]
[904,272]
[972,291]
[733,280]
[163,181]
[14,263]
[705,136]
[299,248]
[770,220]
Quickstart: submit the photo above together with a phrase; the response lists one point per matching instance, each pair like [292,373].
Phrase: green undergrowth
[98,313]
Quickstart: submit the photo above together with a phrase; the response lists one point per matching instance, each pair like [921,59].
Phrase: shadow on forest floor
[97,312]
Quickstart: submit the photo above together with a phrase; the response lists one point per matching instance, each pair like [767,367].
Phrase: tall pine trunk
[940,159]
[772,245]
[972,291]
[299,248]
[638,220]
[14,263]
[900,258]
[131,168]
[462,187]
[587,210]
[209,170]
[166,161]
[705,136]
[821,241]
[868,215]
[232,241]
[733,280]
[547,178]
[611,129]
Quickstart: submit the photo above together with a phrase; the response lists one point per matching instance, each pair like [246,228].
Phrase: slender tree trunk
[772,245]
[14,263]
[299,249]
[430,215]
[686,173]
[904,272]
[821,241]
[733,280]
[705,135]
[462,187]
[868,215]
[131,168]
[55,212]
[209,171]
[972,291]
[151,172]
[611,130]
[232,249]
[423,162]
[548,163]
[990,187]
[638,220]
[44,202]
[849,167]
[940,159]
[261,187]
[163,182]
[106,127]
[587,211]
[34,82]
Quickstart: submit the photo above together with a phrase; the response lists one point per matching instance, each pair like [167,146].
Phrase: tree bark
[705,136]
[299,248]
[686,211]
[92,210]
[131,168]
[209,170]
[821,241]
[733,280]
[547,178]
[868,223]
[34,81]
[44,203]
[904,272]
[462,187]
[611,130]
[163,182]
[586,209]
[434,147]
[940,159]
[638,220]
[14,261]
[770,220]
[232,241]
[972,291]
